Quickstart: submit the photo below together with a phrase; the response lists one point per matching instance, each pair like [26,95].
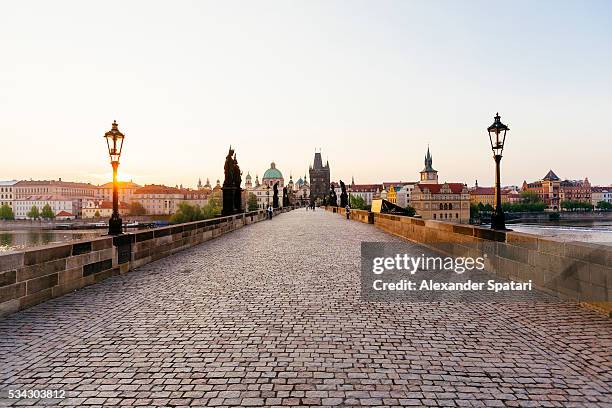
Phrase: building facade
[319,179]
[445,202]
[103,209]
[125,189]
[78,193]
[553,191]
[23,205]
[7,193]
[601,194]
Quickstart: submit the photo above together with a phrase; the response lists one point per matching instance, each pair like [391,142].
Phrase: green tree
[137,209]
[604,205]
[187,212]
[530,197]
[411,210]
[47,213]
[6,212]
[97,214]
[33,213]
[252,202]
[357,202]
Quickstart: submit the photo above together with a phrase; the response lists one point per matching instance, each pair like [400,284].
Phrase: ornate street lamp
[114,141]
[497,137]
[268,195]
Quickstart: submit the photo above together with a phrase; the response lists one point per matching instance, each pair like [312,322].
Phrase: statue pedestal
[232,201]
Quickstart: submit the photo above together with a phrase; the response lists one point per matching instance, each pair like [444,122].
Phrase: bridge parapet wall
[573,270]
[35,275]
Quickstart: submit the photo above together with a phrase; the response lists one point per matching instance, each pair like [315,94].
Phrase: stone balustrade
[35,275]
[573,270]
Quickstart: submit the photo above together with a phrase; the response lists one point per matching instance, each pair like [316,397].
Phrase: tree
[530,197]
[6,212]
[411,210]
[357,202]
[604,205]
[252,202]
[47,213]
[97,214]
[33,213]
[187,212]
[137,209]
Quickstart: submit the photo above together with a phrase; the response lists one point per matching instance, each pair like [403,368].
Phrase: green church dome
[273,172]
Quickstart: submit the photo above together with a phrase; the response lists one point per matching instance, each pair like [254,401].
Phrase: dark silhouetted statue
[343,195]
[232,193]
[275,196]
[333,198]
[285,197]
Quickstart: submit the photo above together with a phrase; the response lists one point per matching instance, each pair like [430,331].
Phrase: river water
[18,239]
[598,232]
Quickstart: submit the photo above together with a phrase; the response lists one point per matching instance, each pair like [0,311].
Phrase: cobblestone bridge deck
[271,315]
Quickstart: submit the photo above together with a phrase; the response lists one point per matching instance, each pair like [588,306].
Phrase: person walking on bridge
[348,211]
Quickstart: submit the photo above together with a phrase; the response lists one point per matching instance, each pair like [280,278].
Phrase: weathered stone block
[69,275]
[8,278]
[96,267]
[81,248]
[35,298]
[9,307]
[522,240]
[42,283]
[600,275]
[100,244]
[515,253]
[11,261]
[551,246]
[38,256]
[36,271]
[14,291]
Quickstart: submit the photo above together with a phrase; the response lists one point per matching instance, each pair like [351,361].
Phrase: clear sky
[369,82]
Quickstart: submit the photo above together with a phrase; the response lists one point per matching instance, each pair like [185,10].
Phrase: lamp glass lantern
[497,135]
[114,141]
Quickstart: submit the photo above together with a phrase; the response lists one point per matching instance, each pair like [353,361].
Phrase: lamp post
[114,141]
[268,195]
[497,137]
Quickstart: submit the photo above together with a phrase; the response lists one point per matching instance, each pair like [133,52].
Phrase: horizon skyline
[213,180]
[373,84]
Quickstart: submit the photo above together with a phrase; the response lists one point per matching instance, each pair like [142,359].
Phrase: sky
[370,83]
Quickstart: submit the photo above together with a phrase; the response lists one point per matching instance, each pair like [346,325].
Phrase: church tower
[428,174]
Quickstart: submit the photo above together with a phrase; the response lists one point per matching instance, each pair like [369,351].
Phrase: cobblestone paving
[271,315]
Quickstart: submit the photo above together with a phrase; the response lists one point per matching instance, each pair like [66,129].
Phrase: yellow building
[445,202]
[486,195]
[392,195]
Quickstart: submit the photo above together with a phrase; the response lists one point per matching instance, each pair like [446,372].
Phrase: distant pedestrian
[270,211]
[348,212]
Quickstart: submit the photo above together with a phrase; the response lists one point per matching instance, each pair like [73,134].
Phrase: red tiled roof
[64,214]
[58,183]
[157,189]
[455,188]
[103,205]
[121,184]
[364,187]
[483,191]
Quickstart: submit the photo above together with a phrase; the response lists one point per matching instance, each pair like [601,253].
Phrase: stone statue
[232,193]
[229,169]
[275,196]
[237,183]
[285,197]
[333,198]
[343,195]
